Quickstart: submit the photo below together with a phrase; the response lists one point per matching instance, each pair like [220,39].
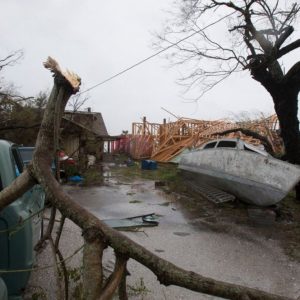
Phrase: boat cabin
[233,144]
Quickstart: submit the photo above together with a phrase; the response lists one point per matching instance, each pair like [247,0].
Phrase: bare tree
[258,37]
[8,61]
[77,101]
[96,234]
[11,59]
[16,111]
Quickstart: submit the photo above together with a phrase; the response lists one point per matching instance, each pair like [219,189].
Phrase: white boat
[243,170]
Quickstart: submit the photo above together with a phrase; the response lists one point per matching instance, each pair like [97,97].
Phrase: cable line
[153,55]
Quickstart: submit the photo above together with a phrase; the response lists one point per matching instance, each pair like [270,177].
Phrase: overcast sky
[97,39]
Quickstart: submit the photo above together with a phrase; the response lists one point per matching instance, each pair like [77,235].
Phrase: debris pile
[163,142]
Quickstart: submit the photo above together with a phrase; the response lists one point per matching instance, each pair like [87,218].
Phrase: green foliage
[71,170]
[74,274]
[75,278]
[165,172]
[20,118]
[41,295]
[92,176]
[139,289]
[78,292]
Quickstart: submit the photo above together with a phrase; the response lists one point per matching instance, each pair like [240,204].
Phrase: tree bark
[284,92]
[92,267]
[17,188]
[115,278]
[286,107]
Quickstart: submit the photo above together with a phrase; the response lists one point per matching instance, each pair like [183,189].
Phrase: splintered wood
[163,142]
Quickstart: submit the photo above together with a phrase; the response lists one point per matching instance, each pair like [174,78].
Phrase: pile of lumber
[167,140]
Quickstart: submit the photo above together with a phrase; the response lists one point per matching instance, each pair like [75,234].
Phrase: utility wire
[4,271]
[153,55]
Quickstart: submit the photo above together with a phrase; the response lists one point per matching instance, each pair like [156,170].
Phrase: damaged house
[83,133]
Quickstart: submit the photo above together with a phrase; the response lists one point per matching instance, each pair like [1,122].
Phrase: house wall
[70,144]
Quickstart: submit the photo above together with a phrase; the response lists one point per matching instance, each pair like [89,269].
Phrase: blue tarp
[149,164]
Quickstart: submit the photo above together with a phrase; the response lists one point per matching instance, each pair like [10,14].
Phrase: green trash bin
[19,231]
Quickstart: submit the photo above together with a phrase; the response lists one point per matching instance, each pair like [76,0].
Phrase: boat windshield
[210,145]
[226,144]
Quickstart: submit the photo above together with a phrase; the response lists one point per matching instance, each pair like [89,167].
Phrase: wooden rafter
[167,140]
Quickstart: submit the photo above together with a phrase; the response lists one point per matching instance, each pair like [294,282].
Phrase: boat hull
[251,177]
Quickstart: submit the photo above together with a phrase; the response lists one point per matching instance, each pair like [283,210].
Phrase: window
[227,144]
[210,145]
[17,160]
[26,154]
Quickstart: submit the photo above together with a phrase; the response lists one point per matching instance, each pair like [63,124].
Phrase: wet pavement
[239,255]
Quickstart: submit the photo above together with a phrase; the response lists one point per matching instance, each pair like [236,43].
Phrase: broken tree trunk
[65,84]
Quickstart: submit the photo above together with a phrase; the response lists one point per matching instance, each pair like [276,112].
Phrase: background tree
[20,117]
[258,37]
[77,101]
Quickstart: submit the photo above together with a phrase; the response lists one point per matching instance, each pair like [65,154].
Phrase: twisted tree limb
[17,188]
[115,278]
[92,265]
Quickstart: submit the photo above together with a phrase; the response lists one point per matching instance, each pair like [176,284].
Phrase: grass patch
[139,289]
[165,172]
[92,177]
[289,216]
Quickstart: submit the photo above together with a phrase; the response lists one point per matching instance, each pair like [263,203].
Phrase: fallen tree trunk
[65,84]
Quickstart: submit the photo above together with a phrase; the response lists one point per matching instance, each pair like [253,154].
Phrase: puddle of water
[122,200]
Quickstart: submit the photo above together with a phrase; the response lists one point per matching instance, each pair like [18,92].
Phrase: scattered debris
[181,233]
[211,193]
[164,203]
[159,250]
[149,165]
[148,220]
[135,201]
[75,179]
[163,142]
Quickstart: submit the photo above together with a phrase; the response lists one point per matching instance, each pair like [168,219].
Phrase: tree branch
[264,140]
[286,33]
[92,266]
[115,278]
[292,46]
[17,188]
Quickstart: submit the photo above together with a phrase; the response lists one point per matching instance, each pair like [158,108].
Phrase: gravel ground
[239,256]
